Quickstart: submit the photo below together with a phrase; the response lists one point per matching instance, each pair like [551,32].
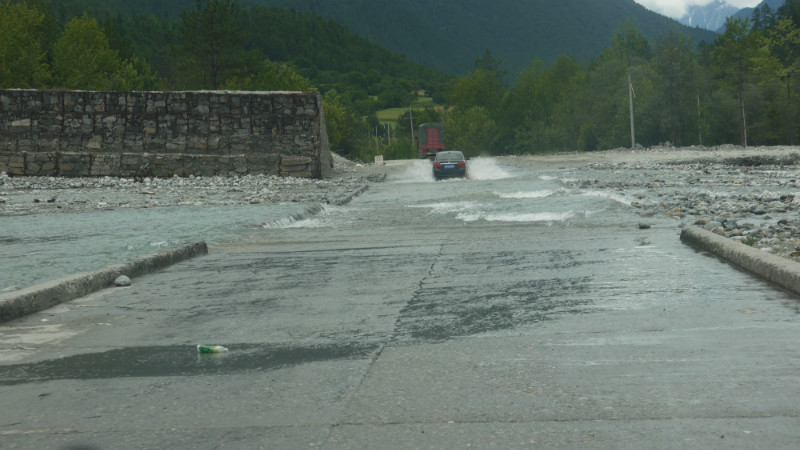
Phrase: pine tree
[211,44]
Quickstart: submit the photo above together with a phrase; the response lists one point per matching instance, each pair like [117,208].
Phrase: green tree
[135,74]
[601,107]
[341,124]
[479,88]
[211,44]
[525,110]
[570,113]
[471,130]
[675,72]
[528,111]
[741,57]
[271,76]
[82,57]
[633,49]
[763,17]
[489,63]
[790,10]
[22,58]
[784,41]
[629,43]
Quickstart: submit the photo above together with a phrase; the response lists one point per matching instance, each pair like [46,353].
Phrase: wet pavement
[502,311]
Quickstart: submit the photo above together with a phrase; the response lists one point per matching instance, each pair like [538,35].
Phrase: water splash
[307,217]
[486,169]
[418,171]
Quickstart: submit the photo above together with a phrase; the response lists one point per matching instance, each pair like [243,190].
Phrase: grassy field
[392,114]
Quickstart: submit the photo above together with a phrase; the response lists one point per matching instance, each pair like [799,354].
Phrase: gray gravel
[36,195]
[752,195]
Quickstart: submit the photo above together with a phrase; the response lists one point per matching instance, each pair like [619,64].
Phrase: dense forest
[739,88]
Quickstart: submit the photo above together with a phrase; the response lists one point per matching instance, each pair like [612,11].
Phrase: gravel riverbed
[750,195]
[37,195]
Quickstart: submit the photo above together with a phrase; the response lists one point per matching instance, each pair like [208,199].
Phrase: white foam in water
[559,179]
[279,223]
[328,217]
[313,222]
[608,195]
[485,169]
[447,207]
[523,195]
[548,217]
[311,218]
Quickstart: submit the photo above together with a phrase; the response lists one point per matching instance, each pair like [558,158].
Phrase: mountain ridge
[448,35]
[711,16]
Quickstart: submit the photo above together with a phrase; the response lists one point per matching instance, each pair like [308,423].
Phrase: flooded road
[501,311]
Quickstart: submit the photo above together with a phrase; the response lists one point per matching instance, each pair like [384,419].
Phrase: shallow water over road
[44,247]
[515,247]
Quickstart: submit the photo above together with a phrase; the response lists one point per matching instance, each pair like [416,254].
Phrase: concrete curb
[779,271]
[42,296]
[341,201]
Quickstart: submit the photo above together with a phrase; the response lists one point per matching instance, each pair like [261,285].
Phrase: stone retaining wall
[84,133]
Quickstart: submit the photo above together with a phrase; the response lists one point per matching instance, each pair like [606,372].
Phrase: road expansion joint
[391,338]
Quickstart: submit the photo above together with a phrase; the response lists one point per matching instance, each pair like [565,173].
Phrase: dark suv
[449,164]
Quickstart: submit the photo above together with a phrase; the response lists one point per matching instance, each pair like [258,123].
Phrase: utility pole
[744,125]
[411,117]
[631,94]
[699,119]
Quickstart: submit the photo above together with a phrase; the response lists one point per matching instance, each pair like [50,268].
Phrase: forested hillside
[322,50]
[738,88]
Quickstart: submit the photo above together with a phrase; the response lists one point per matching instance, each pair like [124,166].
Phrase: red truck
[430,140]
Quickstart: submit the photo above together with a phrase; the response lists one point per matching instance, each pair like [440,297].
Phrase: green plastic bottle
[211,349]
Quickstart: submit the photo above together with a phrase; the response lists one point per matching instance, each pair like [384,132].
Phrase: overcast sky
[677,8]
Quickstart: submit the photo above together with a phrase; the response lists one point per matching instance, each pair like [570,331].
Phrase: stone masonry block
[223,132]
[105,165]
